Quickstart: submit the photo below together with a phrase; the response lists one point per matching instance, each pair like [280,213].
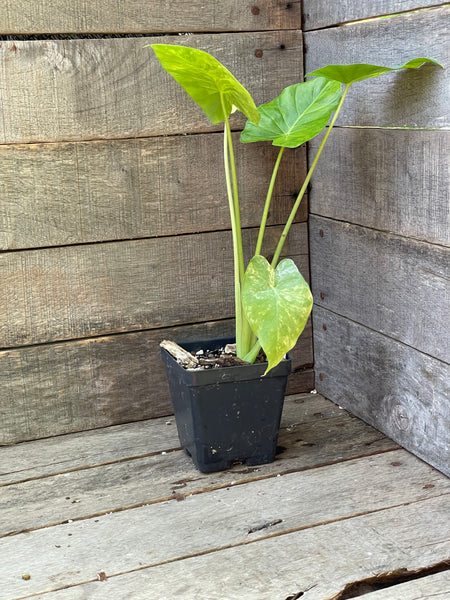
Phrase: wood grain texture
[66,90]
[57,194]
[322,13]
[400,186]
[392,284]
[433,586]
[120,443]
[318,559]
[395,388]
[140,16]
[156,478]
[416,98]
[81,291]
[74,386]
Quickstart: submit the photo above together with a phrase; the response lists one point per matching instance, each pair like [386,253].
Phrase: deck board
[335,507]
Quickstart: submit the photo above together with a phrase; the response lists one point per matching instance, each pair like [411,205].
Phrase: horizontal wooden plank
[400,186]
[80,291]
[417,98]
[395,388]
[435,586]
[62,90]
[74,386]
[322,13]
[64,453]
[57,194]
[319,559]
[392,284]
[159,477]
[139,16]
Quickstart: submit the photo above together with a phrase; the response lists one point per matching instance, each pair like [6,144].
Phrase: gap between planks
[378,17]
[324,431]
[393,481]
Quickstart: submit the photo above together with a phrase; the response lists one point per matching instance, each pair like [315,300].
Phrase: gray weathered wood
[392,284]
[228,516]
[81,291]
[321,559]
[57,90]
[157,477]
[395,388]
[140,16]
[407,99]
[162,476]
[435,586]
[401,185]
[64,453]
[58,388]
[322,13]
[58,194]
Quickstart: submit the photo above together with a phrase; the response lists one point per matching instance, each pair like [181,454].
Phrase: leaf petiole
[304,187]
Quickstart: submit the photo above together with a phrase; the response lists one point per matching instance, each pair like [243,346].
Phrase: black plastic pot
[229,414]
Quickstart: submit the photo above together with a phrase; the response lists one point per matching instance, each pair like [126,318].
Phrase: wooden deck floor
[120,513]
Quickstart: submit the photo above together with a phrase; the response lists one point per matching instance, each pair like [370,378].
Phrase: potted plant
[233,414]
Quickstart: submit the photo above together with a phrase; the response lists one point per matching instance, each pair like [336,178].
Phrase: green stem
[237,248]
[267,204]
[236,209]
[250,357]
[294,210]
[244,334]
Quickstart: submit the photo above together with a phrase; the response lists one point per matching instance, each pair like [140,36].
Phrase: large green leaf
[206,81]
[277,303]
[298,114]
[348,74]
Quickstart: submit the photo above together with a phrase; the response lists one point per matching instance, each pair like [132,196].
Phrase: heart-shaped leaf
[298,114]
[277,303]
[206,81]
[348,74]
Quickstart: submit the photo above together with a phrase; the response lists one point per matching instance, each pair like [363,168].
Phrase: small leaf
[348,74]
[277,303]
[206,81]
[298,114]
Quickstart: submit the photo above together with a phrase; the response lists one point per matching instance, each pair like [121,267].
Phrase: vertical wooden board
[413,98]
[392,284]
[322,13]
[53,90]
[133,16]
[74,386]
[400,186]
[58,194]
[393,387]
[95,289]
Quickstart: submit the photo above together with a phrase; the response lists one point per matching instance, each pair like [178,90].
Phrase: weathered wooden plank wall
[379,225]
[141,16]
[108,242]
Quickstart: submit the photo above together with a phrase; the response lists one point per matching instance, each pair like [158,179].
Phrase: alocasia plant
[273,301]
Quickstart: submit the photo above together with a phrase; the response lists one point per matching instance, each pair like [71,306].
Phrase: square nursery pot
[229,414]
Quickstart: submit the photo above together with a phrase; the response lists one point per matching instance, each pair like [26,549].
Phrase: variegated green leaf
[298,114]
[206,81]
[348,74]
[277,303]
